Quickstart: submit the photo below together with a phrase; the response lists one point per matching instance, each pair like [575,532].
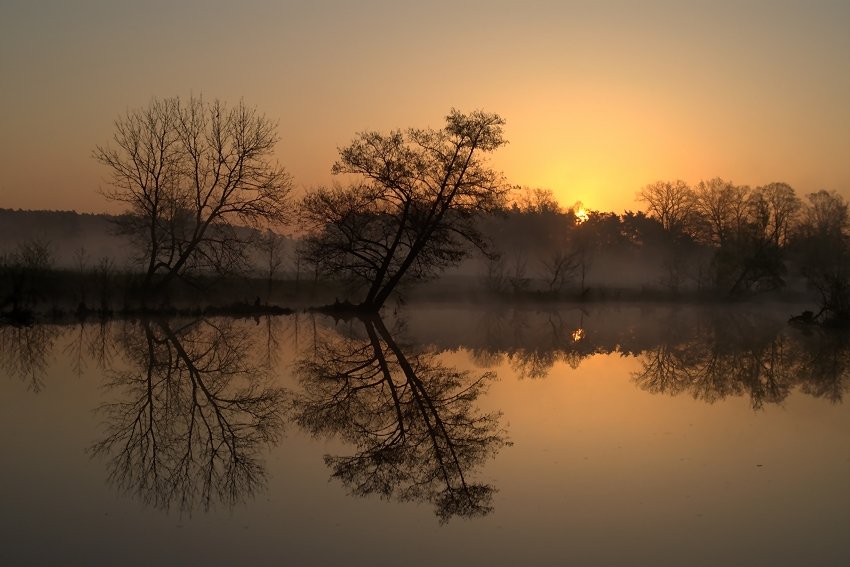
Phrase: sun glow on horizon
[598,102]
[580,212]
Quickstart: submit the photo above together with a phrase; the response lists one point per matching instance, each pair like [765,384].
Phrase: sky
[600,98]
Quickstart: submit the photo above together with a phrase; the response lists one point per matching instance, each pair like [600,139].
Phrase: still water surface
[611,435]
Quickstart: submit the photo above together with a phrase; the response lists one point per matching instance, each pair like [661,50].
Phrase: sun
[581,214]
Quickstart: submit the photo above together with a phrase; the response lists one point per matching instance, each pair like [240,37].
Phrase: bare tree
[723,205]
[412,215]
[750,230]
[775,208]
[189,171]
[536,200]
[560,267]
[826,214]
[755,256]
[271,246]
[672,203]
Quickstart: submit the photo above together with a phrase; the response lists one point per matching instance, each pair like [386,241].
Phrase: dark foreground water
[618,435]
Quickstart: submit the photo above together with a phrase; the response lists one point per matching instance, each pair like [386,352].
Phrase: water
[447,435]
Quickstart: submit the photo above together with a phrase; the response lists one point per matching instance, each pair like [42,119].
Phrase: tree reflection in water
[712,355]
[413,420]
[192,416]
[191,407]
[91,342]
[533,342]
[733,358]
[25,352]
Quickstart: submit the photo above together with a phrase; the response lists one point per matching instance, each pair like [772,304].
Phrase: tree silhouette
[412,215]
[192,415]
[672,203]
[413,421]
[822,247]
[757,257]
[723,205]
[189,170]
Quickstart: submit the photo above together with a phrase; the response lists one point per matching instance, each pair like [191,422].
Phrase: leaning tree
[412,213]
[193,174]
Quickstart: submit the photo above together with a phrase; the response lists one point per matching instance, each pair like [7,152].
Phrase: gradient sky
[600,98]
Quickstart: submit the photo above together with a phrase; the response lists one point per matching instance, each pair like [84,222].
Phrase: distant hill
[66,233]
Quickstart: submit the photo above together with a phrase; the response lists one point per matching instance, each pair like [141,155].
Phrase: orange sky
[600,98]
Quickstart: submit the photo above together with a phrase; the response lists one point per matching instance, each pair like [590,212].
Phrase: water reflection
[92,342]
[25,352]
[720,360]
[192,414]
[413,420]
[192,406]
[532,341]
[710,355]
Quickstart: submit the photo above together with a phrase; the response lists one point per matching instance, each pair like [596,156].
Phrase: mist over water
[439,433]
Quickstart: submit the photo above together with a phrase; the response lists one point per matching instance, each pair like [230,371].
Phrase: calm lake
[438,435]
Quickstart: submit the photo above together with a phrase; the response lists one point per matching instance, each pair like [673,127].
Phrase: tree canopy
[189,171]
[411,214]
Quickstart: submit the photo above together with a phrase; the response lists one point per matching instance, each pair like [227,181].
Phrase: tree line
[716,239]
[203,194]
